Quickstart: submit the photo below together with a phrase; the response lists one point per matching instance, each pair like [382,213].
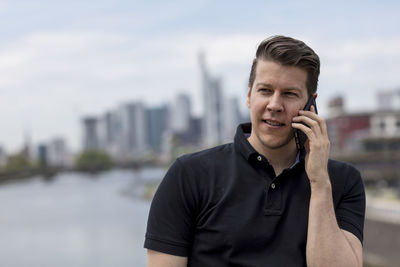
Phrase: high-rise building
[113,136]
[212,104]
[42,155]
[232,118]
[105,130]
[156,125]
[133,135]
[90,134]
[57,154]
[181,113]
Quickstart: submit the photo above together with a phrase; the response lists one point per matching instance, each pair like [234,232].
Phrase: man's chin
[274,145]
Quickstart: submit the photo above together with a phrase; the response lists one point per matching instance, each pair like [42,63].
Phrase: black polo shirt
[226,207]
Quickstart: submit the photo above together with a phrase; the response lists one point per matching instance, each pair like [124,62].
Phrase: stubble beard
[283,143]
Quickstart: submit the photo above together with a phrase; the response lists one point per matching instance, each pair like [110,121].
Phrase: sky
[63,60]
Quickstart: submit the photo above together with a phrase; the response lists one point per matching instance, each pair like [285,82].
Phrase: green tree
[16,163]
[93,160]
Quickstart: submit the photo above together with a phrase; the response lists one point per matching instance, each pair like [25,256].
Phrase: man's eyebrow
[286,88]
[293,88]
[264,84]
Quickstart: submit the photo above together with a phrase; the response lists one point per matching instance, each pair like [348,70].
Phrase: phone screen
[299,136]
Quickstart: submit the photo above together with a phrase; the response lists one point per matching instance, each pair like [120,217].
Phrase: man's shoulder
[204,163]
[344,175]
[208,158]
[340,167]
[209,155]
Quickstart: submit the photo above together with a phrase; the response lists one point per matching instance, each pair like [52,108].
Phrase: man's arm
[159,259]
[170,221]
[327,244]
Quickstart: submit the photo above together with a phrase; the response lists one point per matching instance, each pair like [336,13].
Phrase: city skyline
[134,131]
[60,61]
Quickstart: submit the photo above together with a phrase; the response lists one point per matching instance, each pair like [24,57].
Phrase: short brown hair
[288,52]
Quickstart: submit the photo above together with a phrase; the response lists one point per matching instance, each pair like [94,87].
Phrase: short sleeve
[171,217]
[350,212]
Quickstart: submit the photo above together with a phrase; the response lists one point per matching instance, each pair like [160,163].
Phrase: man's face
[277,95]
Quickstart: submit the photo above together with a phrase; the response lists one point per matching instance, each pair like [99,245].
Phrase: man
[260,201]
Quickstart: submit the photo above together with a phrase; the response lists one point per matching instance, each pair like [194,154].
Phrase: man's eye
[264,90]
[290,94]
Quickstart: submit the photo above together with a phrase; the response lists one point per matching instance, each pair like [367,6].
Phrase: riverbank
[26,174]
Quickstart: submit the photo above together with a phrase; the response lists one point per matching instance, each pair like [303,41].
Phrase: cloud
[358,69]
[48,80]
[65,75]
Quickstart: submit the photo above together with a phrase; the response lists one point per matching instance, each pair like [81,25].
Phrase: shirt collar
[245,148]
[241,142]
[297,160]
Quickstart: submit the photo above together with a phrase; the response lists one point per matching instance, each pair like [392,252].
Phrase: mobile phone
[299,136]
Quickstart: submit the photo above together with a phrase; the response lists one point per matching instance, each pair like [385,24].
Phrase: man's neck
[280,158]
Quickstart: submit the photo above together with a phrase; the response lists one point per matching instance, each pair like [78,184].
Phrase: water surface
[75,220]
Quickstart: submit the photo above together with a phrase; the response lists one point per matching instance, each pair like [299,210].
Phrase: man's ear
[248,97]
[315,95]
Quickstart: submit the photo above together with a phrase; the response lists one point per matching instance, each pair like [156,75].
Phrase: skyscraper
[133,130]
[156,125]
[111,134]
[56,153]
[105,130]
[232,118]
[181,113]
[212,104]
[90,133]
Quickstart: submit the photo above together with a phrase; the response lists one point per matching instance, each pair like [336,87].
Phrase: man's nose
[275,103]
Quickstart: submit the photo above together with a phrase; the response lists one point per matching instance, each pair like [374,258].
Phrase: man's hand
[327,244]
[317,145]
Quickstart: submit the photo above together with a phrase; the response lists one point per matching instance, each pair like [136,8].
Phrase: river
[75,220]
[81,220]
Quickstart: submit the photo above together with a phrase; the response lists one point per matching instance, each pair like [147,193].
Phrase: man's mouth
[273,123]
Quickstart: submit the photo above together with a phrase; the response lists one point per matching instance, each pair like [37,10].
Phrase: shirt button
[273,186]
[259,158]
